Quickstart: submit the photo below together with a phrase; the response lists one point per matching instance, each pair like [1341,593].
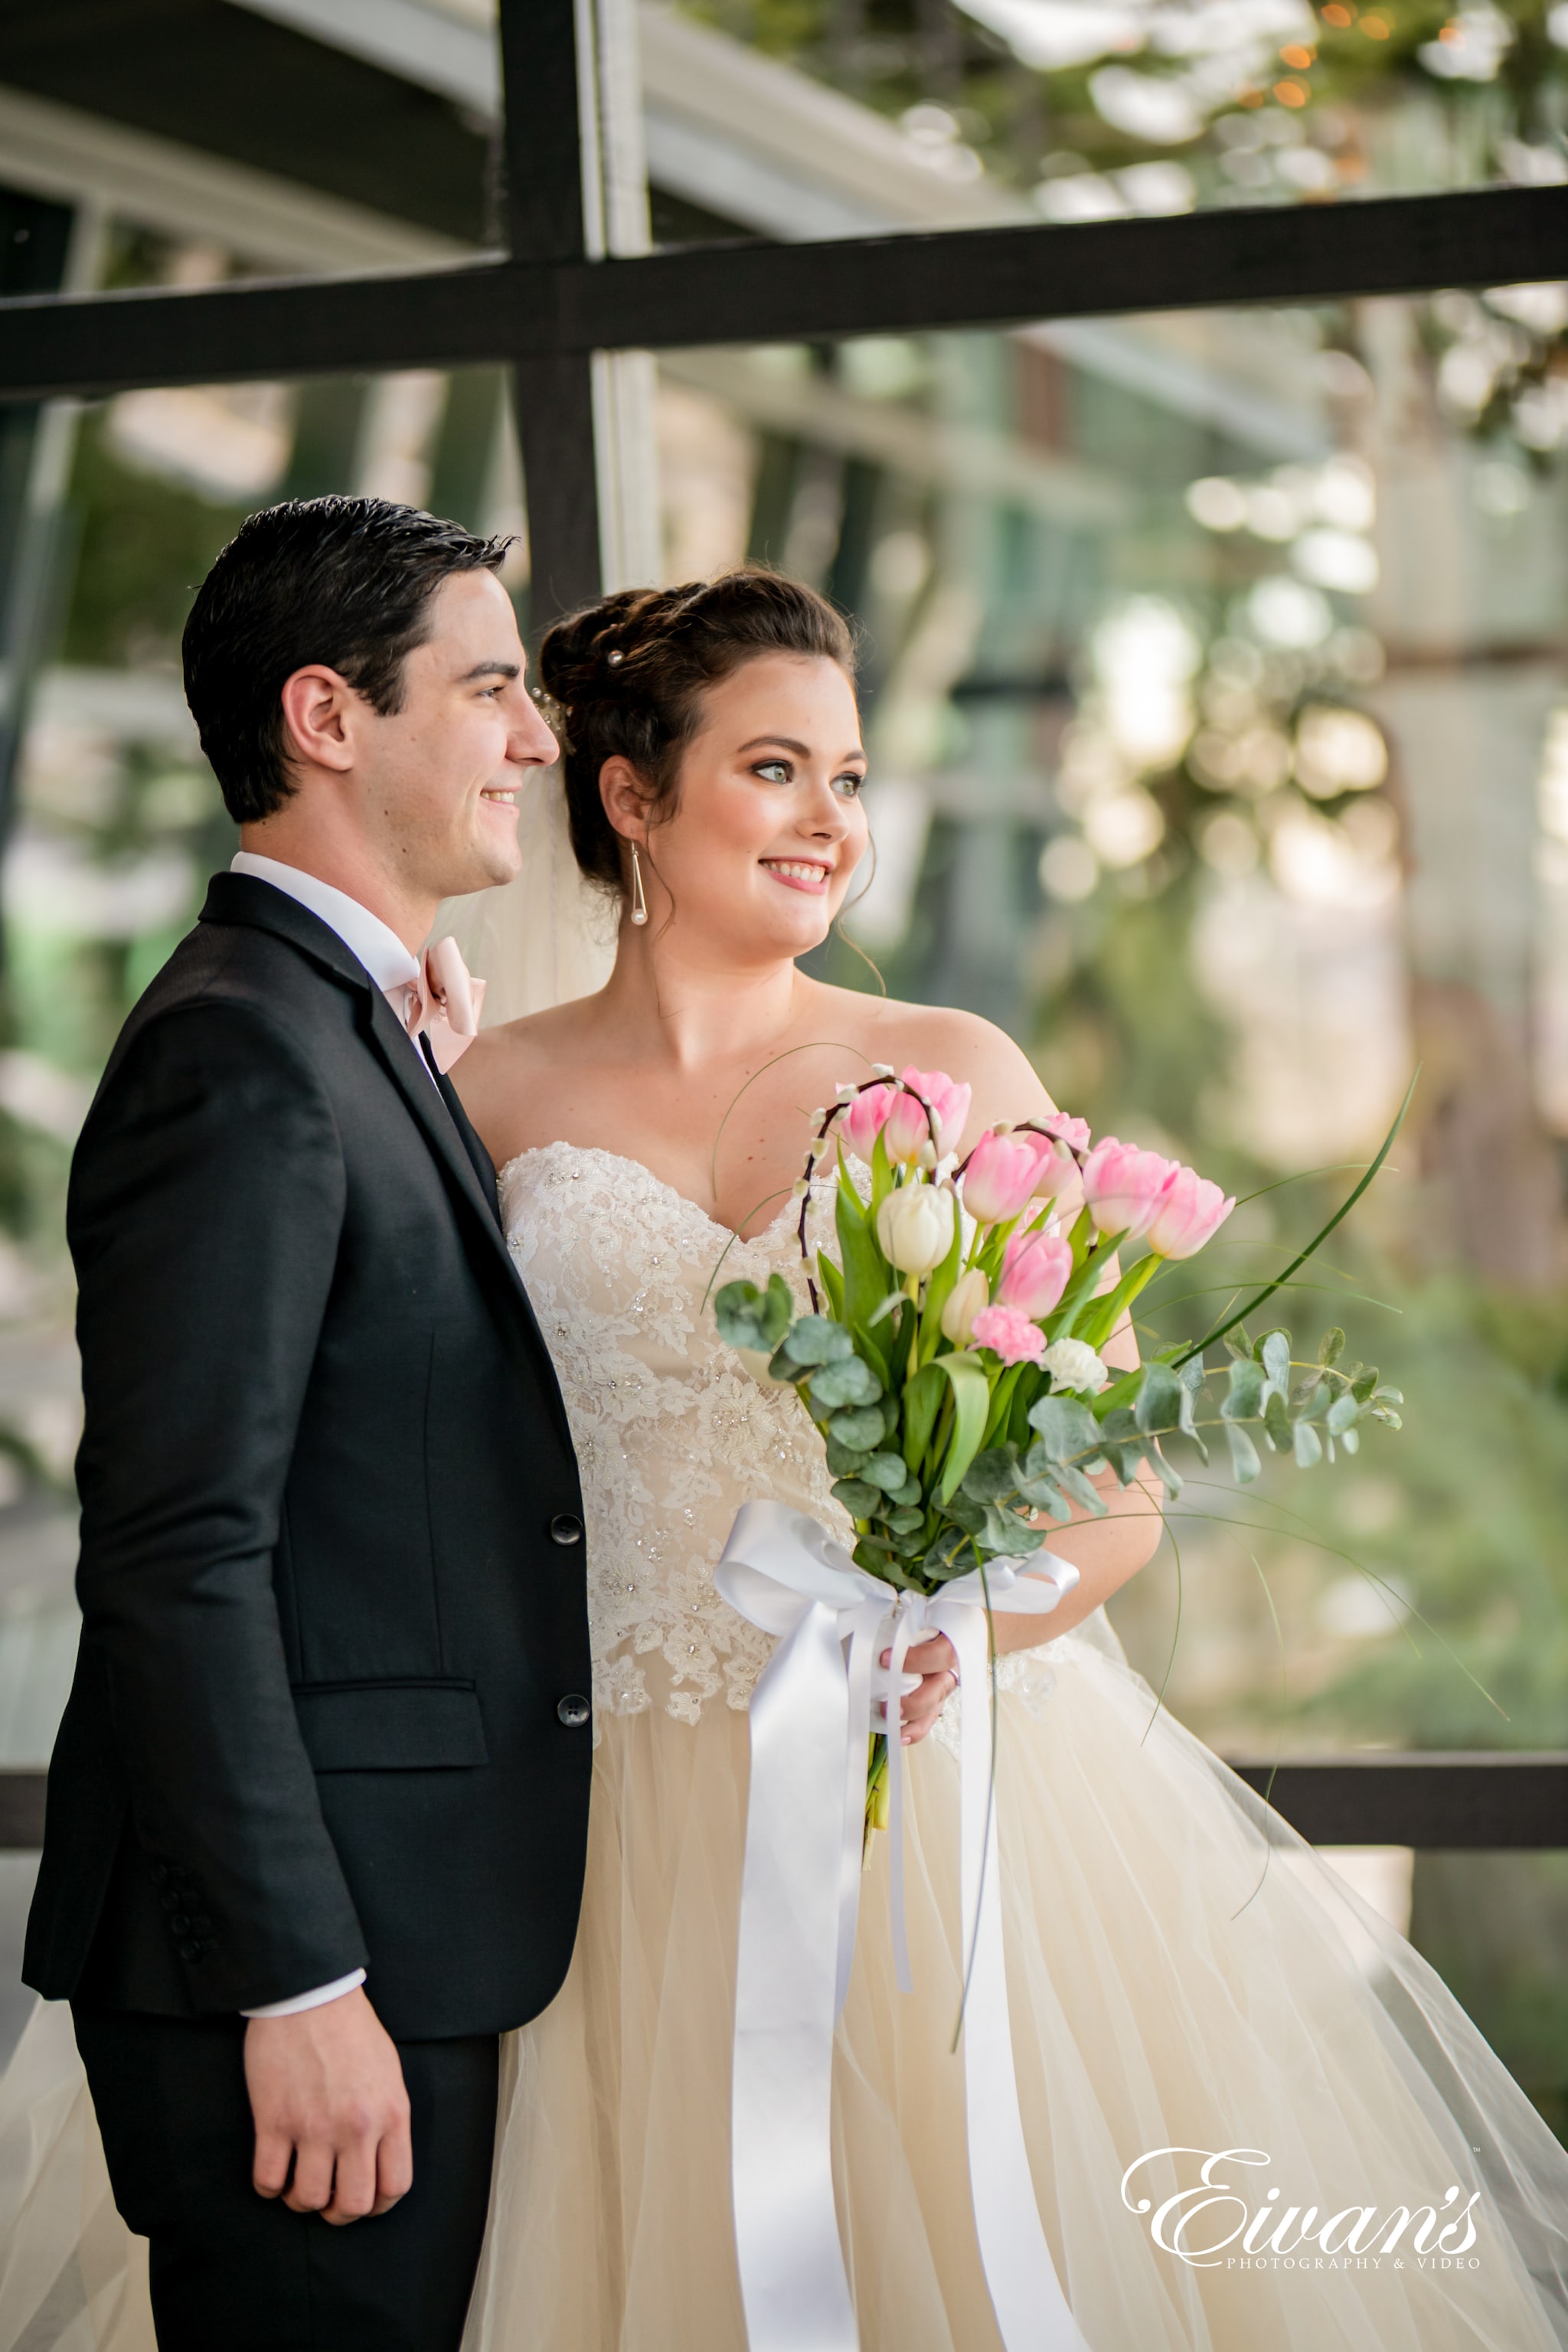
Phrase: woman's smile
[798,873]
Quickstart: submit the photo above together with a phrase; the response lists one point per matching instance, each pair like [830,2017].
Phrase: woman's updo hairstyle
[628,675]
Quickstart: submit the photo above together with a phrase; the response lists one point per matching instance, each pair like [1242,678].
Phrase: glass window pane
[923,114]
[1215,683]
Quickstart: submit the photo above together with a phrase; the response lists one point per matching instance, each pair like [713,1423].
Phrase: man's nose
[531,742]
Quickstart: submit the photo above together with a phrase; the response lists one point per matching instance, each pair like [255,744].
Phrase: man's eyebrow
[789,743]
[491,669]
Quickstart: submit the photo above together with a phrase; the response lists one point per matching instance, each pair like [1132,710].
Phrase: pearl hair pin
[613,657]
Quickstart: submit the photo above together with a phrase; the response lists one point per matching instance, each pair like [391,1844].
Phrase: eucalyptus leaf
[1362,1387]
[992,1474]
[1045,1495]
[849,1380]
[750,1318]
[1309,1446]
[1276,1419]
[1274,1353]
[844,1461]
[1160,1400]
[1343,1414]
[1169,1478]
[906,1520]
[1245,1459]
[885,1471]
[1244,1401]
[1082,1490]
[818,1340]
[861,1426]
[1331,1347]
[1004,1537]
[1066,1427]
[858,1499]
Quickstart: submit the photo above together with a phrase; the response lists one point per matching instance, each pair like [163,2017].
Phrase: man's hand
[936,1661]
[327,2093]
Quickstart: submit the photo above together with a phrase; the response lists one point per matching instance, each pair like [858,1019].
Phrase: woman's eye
[772,771]
[849,784]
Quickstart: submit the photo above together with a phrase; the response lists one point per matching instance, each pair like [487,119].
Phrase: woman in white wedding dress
[1184,1972]
[712,771]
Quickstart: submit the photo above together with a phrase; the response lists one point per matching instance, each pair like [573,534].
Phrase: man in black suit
[318,1807]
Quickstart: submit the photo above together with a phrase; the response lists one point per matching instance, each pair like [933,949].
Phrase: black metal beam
[746,293]
[1437,1801]
[553,385]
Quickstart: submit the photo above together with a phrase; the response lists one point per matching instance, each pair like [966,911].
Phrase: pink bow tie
[446,1002]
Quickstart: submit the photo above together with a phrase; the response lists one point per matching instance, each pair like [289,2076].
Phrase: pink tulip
[865,1116]
[1009,1333]
[1035,1270]
[1190,1215]
[1126,1188]
[909,1129]
[1000,1177]
[1056,1178]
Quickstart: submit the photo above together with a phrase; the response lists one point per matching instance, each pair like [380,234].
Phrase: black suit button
[189,1950]
[160,1874]
[565,1530]
[573,1710]
[179,1924]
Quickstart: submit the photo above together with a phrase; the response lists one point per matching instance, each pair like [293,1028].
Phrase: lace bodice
[673,1431]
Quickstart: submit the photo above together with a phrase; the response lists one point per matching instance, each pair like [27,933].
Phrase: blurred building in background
[1214,686]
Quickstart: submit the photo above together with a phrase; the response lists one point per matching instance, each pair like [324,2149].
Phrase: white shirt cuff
[302,2000]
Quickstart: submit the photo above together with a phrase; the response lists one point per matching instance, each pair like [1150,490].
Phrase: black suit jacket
[327,1709]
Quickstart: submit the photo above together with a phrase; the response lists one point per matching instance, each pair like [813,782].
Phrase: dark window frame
[545,307]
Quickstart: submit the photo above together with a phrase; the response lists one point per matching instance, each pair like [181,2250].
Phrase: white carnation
[1072,1365]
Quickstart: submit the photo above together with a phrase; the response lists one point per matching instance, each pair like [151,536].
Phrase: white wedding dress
[1183,1972]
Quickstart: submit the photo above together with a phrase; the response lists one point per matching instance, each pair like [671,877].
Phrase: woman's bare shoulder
[1005,1084]
[493,1074]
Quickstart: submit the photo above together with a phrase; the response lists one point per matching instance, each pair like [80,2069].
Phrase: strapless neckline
[655,1184]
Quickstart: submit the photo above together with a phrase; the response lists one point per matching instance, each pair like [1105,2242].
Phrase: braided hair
[629,674]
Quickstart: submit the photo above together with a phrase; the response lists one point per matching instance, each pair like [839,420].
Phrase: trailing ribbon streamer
[810,1716]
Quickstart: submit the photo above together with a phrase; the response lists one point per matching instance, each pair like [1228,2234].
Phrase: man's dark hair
[346,582]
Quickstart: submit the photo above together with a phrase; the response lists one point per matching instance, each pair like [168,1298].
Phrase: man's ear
[317,723]
[626,798]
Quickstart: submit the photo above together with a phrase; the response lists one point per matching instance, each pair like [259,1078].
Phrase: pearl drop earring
[639,903]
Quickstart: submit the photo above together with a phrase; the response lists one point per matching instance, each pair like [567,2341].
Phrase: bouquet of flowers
[952,1360]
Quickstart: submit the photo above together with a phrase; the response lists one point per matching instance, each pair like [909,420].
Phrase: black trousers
[232,2271]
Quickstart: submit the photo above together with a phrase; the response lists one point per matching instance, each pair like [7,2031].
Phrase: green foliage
[750,1318]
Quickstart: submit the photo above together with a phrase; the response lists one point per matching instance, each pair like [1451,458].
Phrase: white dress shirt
[365,936]
[394,971]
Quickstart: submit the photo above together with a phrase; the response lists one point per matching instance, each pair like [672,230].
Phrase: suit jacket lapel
[244,899]
[484,1166]
[424,1098]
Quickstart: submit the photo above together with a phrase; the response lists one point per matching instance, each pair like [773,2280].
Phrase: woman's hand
[936,1663]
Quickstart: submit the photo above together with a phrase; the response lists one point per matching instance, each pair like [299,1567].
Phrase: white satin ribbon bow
[810,1717]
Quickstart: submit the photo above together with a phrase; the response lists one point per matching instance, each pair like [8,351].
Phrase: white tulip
[914,1225]
[969,1296]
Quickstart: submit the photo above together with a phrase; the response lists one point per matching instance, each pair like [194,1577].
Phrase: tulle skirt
[1183,1973]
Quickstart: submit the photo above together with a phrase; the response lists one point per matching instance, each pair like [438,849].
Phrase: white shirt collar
[364,935]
